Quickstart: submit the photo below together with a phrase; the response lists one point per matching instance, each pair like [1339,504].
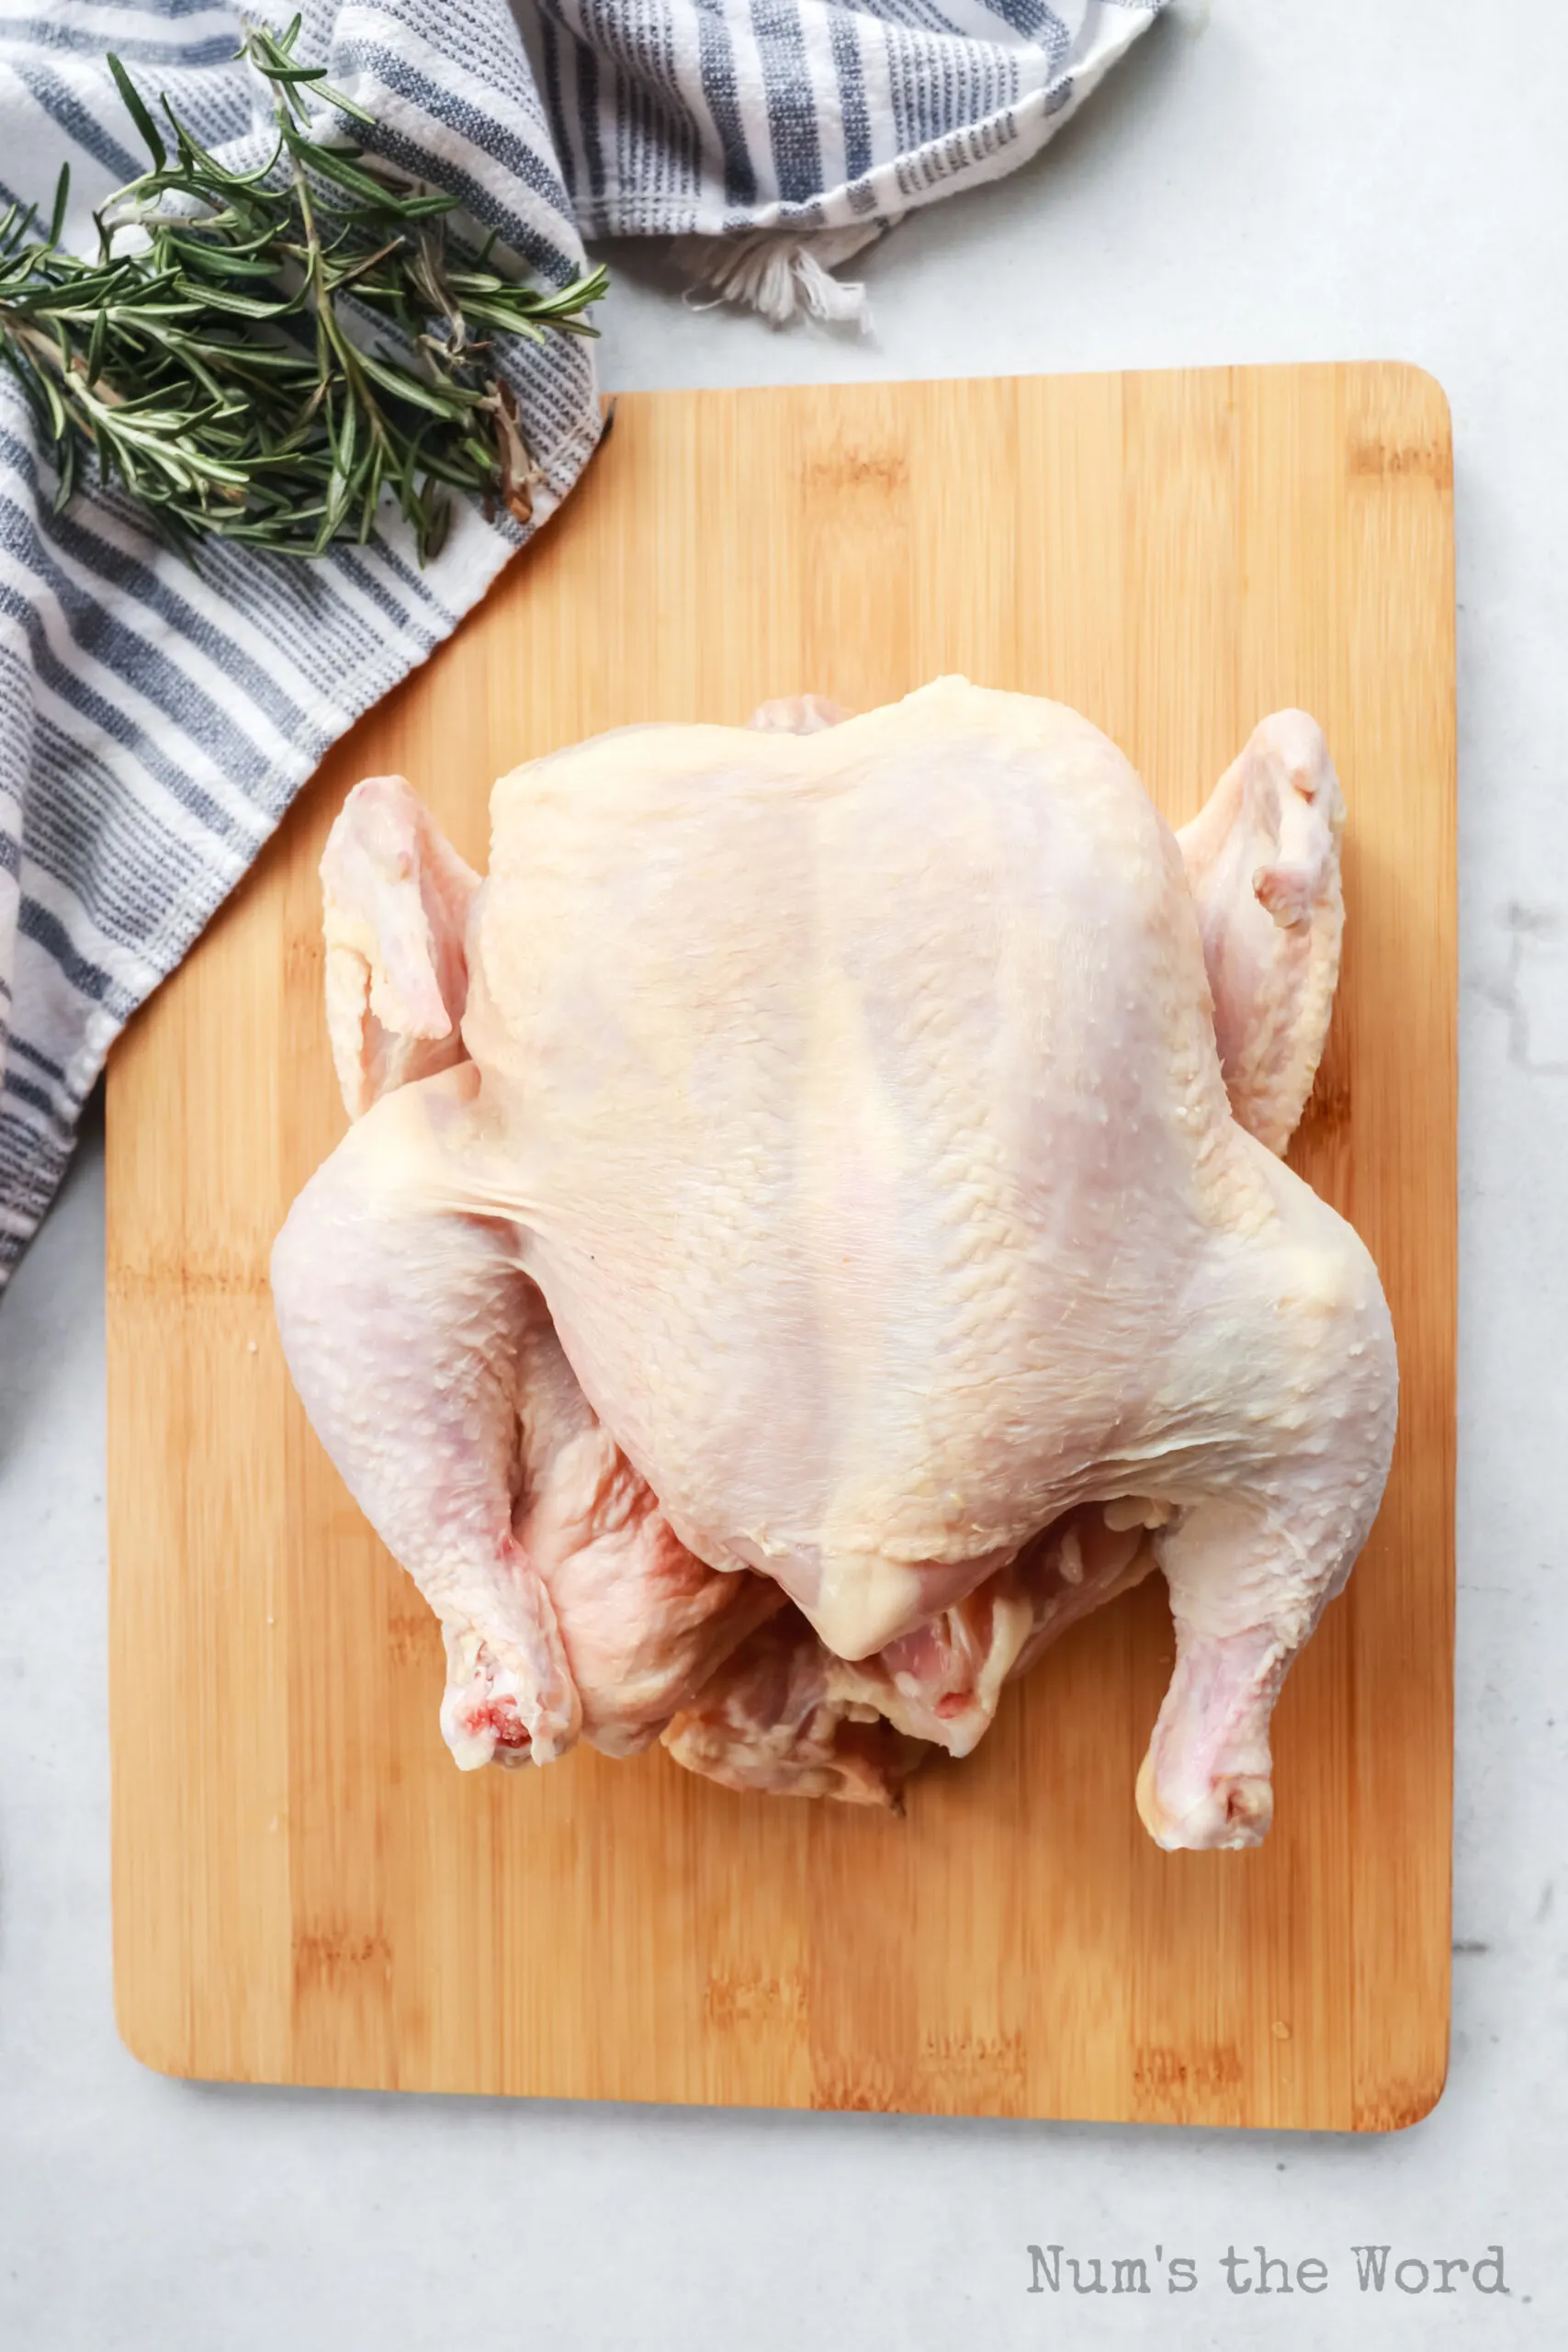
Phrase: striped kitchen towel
[157,715]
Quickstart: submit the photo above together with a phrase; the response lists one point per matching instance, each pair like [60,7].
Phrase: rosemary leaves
[229,373]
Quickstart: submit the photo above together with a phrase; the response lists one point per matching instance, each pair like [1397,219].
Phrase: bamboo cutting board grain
[304,1889]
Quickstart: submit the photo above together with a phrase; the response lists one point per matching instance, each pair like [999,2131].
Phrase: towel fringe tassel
[783,276]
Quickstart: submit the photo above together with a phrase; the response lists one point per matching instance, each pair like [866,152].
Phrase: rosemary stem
[216,374]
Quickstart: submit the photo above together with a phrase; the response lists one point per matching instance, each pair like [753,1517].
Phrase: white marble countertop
[1316,180]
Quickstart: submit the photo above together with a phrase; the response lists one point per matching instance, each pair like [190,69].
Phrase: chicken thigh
[796,1249]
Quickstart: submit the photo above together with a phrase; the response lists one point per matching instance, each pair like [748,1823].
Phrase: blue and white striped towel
[156,717]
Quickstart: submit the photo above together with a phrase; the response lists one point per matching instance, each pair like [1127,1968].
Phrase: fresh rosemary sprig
[229,373]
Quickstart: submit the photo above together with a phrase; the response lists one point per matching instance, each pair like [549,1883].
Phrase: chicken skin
[812,1226]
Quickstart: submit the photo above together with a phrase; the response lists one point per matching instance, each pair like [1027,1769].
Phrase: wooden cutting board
[305,1891]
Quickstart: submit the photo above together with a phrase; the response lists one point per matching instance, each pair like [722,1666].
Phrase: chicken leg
[404,1328]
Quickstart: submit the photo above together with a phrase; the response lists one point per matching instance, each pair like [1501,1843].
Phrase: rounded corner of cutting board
[1425,393]
[141,2036]
[1402,2106]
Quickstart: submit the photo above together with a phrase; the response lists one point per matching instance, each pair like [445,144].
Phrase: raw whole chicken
[812,1227]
